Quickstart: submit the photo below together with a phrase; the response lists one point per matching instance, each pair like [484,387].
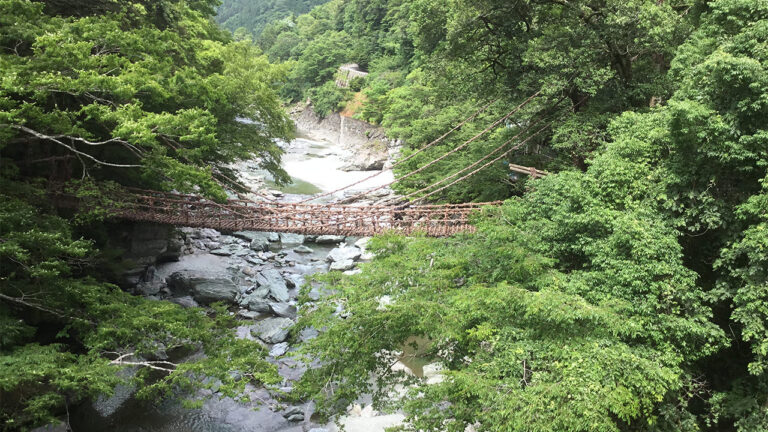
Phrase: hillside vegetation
[253,15]
[139,93]
[627,292]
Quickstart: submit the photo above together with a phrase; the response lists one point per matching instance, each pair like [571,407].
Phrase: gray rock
[308,333]
[272,330]
[147,288]
[255,304]
[222,252]
[209,233]
[294,414]
[283,310]
[343,254]
[254,260]
[319,430]
[242,252]
[260,244]
[294,280]
[212,244]
[205,287]
[303,250]
[185,302]
[175,249]
[244,332]
[291,239]
[256,300]
[342,265]
[279,349]
[315,293]
[251,235]
[248,271]
[329,239]
[251,315]
[273,280]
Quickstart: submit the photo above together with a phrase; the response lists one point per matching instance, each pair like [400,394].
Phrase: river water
[315,167]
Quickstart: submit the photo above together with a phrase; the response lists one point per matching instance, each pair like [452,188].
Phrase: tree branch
[72,148]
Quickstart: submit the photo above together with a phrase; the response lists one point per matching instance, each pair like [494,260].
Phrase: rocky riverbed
[259,274]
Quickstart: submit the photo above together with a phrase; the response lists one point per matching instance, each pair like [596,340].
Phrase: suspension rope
[491,153]
[445,155]
[396,164]
[495,159]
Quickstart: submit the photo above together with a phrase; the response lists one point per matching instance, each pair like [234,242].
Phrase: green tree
[143,93]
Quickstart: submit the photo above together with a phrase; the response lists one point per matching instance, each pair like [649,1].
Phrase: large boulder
[344,253]
[272,330]
[343,265]
[370,157]
[291,239]
[204,287]
[251,235]
[329,239]
[256,300]
[283,310]
[260,244]
[259,240]
[274,282]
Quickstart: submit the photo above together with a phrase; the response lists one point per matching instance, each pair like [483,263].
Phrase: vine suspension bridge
[400,214]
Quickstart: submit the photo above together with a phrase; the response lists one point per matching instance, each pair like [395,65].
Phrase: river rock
[294,280]
[247,314]
[329,239]
[260,244]
[208,233]
[244,332]
[205,287]
[279,349]
[303,250]
[283,310]
[342,265]
[251,235]
[273,280]
[344,253]
[294,414]
[222,252]
[255,299]
[255,304]
[291,239]
[185,302]
[369,157]
[308,333]
[272,330]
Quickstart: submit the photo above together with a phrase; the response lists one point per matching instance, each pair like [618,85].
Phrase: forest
[625,291]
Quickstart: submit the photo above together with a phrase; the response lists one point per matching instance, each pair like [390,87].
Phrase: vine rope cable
[454,150]
[487,155]
[436,141]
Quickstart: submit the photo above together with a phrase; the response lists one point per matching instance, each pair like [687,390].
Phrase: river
[315,167]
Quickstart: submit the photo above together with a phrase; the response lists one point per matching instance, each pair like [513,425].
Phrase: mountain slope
[253,15]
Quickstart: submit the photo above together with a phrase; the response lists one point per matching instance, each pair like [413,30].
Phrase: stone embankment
[368,147]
